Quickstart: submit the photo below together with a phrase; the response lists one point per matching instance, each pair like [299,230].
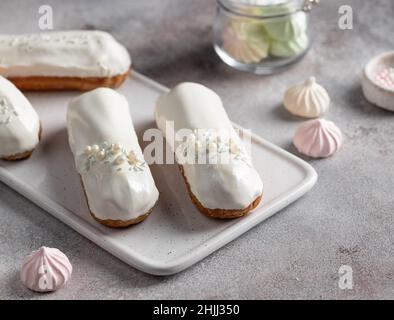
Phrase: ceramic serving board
[175,235]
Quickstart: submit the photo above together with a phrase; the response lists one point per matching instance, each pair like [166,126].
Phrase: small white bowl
[375,93]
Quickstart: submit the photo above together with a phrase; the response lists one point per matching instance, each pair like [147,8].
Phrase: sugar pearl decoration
[234,149]
[318,138]
[132,157]
[385,78]
[45,270]
[7,112]
[117,146]
[307,99]
[120,160]
[88,150]
[112,154]
[95,148]
[101,155]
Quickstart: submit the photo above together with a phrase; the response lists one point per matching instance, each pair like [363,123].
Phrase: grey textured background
[346,219]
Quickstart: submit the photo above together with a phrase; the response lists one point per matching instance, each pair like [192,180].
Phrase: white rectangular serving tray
[175,235]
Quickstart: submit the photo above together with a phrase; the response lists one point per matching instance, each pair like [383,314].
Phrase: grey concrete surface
[348,218]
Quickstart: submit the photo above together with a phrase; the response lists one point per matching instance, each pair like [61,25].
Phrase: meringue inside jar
[262,36]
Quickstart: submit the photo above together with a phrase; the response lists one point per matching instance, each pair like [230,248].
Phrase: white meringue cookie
[318,138]
[45,270]
[307,99]
[246,41]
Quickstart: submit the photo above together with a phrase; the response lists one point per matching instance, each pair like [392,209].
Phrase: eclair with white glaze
[117,181]
[222,189]
[20,128]
[64,60]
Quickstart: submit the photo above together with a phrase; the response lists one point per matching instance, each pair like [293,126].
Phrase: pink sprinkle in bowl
[377,90]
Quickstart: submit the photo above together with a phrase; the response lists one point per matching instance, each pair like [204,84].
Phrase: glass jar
[262,36]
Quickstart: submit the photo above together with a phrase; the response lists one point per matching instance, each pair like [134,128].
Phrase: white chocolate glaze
[19,122]
[117,181]
[63,54]
[234,185]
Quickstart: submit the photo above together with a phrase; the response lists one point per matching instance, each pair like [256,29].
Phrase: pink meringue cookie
[45,270]
[318,138]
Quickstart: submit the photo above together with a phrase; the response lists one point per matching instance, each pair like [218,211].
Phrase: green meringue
[290,48]
[288,27]
[277,30]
